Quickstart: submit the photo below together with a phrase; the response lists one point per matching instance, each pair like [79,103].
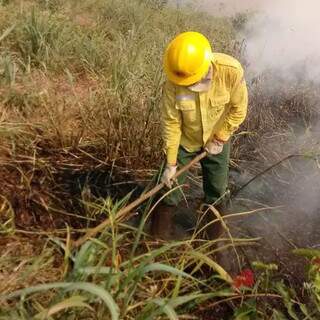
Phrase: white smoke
[285,37]
[281,35]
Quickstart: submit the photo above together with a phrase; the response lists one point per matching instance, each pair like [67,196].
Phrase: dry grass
[24,263]
[82,97]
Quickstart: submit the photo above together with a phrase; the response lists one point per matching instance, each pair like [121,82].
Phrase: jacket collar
[204,84]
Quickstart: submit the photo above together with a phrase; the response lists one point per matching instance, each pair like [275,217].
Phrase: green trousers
[215,172]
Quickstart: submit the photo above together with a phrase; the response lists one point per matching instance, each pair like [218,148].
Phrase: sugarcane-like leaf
[69,286]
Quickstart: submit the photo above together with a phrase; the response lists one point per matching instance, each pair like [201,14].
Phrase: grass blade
[215,266]
[166,308]
[7,32]
[75,301]
[85,286]
[165,268]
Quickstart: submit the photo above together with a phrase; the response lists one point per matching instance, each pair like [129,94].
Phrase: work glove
[214,147]
[168,174]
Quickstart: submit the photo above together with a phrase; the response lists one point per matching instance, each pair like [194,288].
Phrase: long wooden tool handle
[124,211]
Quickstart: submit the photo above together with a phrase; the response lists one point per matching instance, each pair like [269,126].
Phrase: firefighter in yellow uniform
[204,102]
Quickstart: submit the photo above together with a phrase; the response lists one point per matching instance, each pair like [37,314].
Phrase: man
[204,101]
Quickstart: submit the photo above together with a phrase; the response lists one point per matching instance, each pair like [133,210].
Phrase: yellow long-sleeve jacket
[191,119]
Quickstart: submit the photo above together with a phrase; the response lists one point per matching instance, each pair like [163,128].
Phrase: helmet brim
[187,81]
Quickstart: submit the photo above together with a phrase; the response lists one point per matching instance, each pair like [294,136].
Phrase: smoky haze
[281,35]
[284,37]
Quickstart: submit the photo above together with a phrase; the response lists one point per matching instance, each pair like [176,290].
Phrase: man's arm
[238,107]
[171,123]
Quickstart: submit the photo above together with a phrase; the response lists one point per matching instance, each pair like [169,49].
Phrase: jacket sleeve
[238,106]
[170,123]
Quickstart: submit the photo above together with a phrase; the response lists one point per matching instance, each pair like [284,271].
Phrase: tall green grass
[124,274]
[110,277]
[118,44]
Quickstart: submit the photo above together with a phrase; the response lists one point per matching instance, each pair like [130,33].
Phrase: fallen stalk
[122,213]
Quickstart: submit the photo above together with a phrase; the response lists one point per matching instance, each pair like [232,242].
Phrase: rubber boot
[162,224]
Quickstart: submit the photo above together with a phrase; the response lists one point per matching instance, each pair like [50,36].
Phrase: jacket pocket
[188,110]
[217,105]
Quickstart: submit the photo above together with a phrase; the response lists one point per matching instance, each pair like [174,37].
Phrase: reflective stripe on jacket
[190,118]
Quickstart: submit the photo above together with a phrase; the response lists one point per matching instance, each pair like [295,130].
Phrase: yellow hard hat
[187,58]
